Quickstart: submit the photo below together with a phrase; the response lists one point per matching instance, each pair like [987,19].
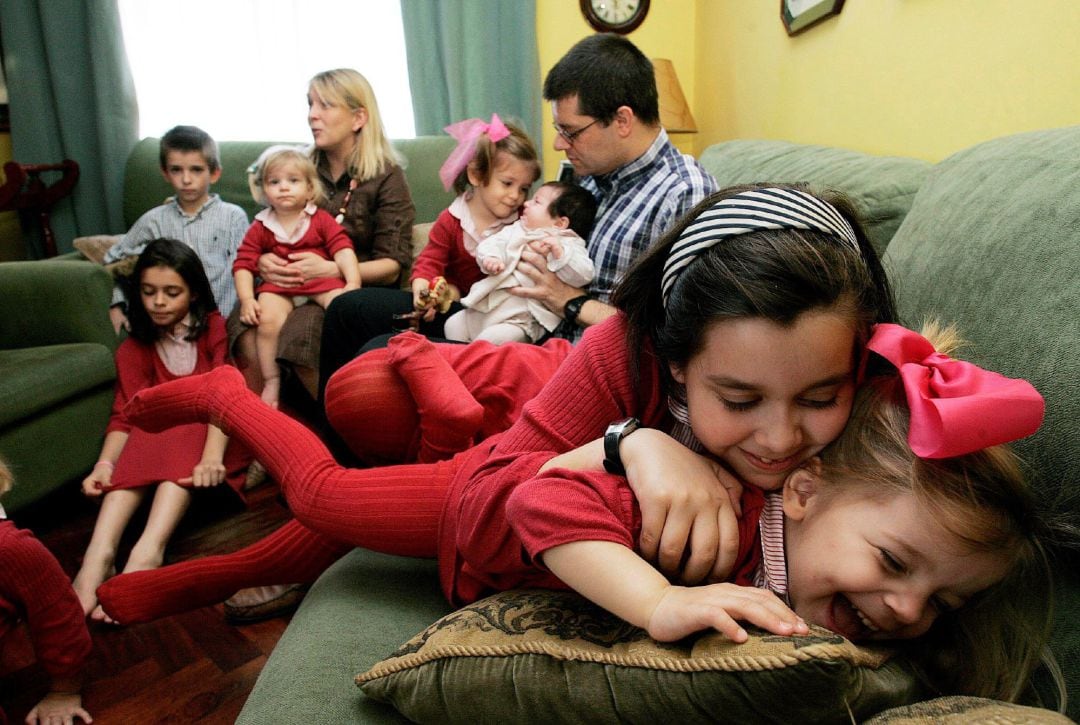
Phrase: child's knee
[274,313]
[325,298]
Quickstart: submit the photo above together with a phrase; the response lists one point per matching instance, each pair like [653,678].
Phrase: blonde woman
[366,192]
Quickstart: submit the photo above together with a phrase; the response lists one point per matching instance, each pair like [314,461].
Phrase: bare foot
[98,615]
[271,391]
[141,560]
[257,595]
[86,582]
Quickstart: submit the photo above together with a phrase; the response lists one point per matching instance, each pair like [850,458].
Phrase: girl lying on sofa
[761,377]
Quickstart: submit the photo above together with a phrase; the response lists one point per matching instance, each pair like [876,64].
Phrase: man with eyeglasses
[607,121]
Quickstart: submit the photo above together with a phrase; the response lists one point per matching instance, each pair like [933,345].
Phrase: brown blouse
[380,214]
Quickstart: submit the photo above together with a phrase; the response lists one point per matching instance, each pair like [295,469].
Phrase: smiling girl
[176,331]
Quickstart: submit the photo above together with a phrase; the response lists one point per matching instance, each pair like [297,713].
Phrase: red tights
[393,510]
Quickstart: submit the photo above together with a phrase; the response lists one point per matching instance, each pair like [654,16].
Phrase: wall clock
[615,16]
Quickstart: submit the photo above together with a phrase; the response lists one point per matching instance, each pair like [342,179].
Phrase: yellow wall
[666,33]
[919,78]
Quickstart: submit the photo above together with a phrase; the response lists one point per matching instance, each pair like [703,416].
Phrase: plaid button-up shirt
[637,203]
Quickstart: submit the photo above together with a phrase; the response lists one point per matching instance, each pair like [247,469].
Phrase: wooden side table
[24,189]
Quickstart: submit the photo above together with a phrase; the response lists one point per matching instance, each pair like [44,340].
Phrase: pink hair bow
[956,406]
[467,133]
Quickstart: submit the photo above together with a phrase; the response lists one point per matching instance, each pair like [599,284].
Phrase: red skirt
[150,458]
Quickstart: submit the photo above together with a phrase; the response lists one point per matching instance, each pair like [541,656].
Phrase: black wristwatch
[612,438]
[572,309]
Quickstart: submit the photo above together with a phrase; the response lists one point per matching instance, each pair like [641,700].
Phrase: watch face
[618,16]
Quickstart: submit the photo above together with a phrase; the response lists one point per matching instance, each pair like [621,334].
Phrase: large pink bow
[467,133]
[956,406]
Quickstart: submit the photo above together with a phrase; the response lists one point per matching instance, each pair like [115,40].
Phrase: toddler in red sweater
[286,181]
[36,590]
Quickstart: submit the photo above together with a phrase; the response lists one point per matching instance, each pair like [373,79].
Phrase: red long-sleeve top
[34,588]
[501,513]
[139,367]
[445,255]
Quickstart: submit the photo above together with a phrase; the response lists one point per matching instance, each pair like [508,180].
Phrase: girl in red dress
[175,331]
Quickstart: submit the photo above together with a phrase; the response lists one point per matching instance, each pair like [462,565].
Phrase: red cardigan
[34,588]
[139,367]
[501,514]
[445,255]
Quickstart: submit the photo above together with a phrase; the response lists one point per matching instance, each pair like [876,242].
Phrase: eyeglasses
[571,136]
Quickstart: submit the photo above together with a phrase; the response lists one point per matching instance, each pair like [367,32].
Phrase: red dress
[149,458]
[324,236]
[34,588]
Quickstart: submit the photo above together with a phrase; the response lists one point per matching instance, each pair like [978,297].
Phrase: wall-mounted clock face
[615,16]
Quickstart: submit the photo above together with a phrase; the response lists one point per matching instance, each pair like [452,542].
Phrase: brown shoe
[256,475]
[285,603]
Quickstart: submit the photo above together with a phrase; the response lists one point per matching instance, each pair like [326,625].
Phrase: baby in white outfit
[553,223]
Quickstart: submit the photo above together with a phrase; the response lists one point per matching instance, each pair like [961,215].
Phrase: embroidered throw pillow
[94,247]
[956,710]
[542,656]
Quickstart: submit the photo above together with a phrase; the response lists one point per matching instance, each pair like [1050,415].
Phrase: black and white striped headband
[751,211]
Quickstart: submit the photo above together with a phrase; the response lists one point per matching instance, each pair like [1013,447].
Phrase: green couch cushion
[360,610]
[536,656]
[145,188]
[992,243]
[54,448]
[882,187]
[36,378]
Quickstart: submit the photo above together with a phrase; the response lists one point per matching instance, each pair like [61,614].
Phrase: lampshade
[675,114]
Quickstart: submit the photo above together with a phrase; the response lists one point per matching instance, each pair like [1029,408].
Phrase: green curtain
[71,96]
[472,58]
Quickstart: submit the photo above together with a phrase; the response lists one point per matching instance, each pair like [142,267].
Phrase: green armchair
[56,372]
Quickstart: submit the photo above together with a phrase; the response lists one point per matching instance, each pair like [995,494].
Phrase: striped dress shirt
[214,232]
[772,572]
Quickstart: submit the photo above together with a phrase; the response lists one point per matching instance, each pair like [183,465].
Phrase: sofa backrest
[881,187]
[992,244]
[144,187]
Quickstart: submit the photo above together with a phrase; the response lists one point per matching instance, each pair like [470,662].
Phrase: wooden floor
[190,668]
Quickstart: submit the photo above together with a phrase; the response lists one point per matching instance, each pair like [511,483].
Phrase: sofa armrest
[49,302]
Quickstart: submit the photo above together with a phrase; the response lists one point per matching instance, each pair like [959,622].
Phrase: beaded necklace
[345,203]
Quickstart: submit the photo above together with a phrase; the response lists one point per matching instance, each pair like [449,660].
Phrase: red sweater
[34,588]
[445,255]
[139,366]
[324,236]
[501,514]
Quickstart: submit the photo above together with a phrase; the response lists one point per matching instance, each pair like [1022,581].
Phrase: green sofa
[985,238]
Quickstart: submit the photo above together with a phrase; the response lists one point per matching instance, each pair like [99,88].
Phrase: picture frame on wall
[800,15]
